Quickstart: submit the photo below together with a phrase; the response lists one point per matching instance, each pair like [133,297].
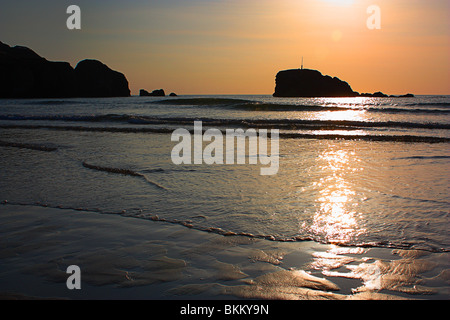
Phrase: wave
[286,135]
[90,129]
[112,170]
[72,118]
[392,138]
[279,123]
[201,101]
[262,106]
[230,233]
[126,172]
[54,102]
[415,111]
[439,104]
[246,105]
[422,158]
[318,108]
[29,146]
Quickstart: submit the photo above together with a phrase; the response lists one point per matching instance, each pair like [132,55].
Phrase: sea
[367,172]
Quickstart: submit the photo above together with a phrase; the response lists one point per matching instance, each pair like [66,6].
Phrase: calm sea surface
[357,171]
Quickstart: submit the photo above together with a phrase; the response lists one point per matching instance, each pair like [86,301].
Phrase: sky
[238,46]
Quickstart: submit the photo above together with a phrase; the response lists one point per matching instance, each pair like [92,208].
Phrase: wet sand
[128,258]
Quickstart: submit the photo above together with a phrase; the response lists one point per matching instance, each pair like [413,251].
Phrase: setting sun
[339,2]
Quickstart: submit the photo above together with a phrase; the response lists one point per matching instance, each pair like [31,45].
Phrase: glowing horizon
[237,47]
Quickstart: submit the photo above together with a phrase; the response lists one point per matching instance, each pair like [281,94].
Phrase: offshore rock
[310,83]
[154,93]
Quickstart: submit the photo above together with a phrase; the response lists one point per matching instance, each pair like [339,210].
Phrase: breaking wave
[30,146]
[261,106]
[126,172]
[285,135]
[276,123]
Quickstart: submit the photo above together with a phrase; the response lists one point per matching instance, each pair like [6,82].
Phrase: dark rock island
[154,93]
[25,74]
[311,83]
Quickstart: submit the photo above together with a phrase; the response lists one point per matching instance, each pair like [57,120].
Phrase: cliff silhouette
[25,74]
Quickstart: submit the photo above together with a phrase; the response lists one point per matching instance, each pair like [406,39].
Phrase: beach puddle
[404,273]
[365,274]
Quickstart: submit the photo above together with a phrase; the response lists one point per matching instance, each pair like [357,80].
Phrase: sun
[340,2]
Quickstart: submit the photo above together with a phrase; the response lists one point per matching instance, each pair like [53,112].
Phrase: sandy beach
[123,258]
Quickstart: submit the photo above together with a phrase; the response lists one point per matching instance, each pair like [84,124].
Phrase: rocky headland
[25,74]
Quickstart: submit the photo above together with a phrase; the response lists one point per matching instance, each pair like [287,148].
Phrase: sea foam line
[228,233]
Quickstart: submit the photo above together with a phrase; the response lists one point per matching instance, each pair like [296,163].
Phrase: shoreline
[123,258]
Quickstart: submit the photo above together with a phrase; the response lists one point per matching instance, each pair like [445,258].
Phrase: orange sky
[238,46]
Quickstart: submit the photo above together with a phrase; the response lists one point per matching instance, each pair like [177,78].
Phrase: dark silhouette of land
[311,83]
[25,74]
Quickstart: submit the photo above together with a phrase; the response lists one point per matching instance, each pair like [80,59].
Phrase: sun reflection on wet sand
[338,220]
[400,273]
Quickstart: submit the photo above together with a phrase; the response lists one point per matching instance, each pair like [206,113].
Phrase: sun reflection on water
[336,217]
[350,115]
